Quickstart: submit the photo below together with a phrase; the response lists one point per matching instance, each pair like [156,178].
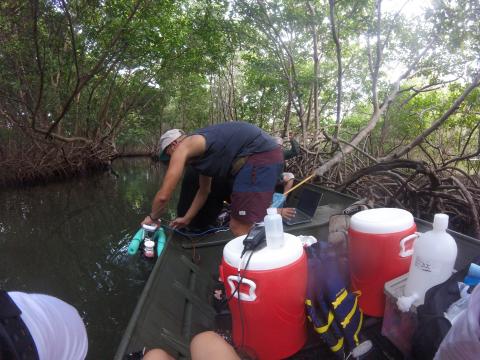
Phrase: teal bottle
[135,242]
[161,239]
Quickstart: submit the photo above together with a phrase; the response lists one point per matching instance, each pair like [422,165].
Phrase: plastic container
[398,326]
[268,316]
[434,255]
[273,229]
[473,275]
[148,248]
[380,249]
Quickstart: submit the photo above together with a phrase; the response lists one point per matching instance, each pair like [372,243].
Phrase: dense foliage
[81,78]
[359,82]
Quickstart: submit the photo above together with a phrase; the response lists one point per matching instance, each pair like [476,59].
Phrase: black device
[255,239]
[306,207]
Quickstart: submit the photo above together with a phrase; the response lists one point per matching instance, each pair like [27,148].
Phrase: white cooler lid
[381,221]
[266,258]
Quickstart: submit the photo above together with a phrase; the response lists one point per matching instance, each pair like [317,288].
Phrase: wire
[239,300]
[193,238]
[237,289]
[192,234]
[241,279]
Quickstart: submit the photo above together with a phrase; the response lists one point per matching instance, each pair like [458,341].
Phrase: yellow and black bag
[331,308]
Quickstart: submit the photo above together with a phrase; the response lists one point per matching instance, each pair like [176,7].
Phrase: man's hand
[149,221]
[287,213]
[180,222]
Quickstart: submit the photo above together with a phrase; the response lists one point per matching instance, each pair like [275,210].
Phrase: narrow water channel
[70,240]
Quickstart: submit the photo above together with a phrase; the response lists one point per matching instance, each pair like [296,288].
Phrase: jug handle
[232,279]
[406,253]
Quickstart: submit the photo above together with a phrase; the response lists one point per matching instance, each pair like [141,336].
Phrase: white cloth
[286,176]
[462,341]
[56,327]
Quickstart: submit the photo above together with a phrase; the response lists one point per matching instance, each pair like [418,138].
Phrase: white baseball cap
[168,137]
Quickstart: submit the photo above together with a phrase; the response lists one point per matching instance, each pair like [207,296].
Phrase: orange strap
[299,184]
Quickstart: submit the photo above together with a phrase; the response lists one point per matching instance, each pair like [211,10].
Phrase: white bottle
[434,255]
[273,229]
[148,250]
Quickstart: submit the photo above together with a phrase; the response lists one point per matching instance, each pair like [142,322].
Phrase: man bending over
[235,149]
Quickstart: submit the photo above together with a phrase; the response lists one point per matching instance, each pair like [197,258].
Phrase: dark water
[70,240]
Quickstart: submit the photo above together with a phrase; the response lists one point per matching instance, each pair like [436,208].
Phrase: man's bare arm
[190,147]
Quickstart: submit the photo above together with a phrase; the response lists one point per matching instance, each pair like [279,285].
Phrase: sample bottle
[434,255]
[273,229]
[148,250]
[148,242]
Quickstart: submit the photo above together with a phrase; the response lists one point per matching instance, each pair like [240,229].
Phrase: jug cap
[149,244]
[272,211]
[440,222]
[382,221]
[266,258]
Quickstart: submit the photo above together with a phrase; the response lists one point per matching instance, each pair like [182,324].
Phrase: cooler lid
[381,221]
[266,258]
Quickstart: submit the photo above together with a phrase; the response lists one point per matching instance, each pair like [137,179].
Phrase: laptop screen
[308,201]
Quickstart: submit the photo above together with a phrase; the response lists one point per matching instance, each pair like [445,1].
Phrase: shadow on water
[70,240]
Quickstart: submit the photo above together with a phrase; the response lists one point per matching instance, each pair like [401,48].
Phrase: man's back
[229,141]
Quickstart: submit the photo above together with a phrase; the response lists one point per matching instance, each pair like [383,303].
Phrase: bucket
[268,320]
[380,249]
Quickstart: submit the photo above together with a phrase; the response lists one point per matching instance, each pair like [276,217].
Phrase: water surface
[70,240]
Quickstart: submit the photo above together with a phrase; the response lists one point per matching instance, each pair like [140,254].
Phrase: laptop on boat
[306,207]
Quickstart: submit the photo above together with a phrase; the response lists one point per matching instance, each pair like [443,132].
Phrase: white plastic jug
[273,229]
[434,255]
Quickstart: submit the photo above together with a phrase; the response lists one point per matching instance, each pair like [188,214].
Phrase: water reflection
[70,240]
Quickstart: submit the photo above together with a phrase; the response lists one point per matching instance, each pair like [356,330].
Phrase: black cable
[241,279]
[239,301]
[237,289]
[238,286]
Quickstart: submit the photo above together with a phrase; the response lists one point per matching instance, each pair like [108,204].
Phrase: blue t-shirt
[228,141]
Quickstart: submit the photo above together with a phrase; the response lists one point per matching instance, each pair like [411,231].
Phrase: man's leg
[238,227]
[253,189]
[207,216]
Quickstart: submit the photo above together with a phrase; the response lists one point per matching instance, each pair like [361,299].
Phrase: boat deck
[176,301]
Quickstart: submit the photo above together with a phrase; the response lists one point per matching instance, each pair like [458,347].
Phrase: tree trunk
[286,121]
[315,68]
[339,70]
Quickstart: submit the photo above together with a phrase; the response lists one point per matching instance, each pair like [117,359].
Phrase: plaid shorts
[254,185]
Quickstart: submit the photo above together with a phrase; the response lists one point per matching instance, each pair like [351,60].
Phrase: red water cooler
[269,319]
[380,249]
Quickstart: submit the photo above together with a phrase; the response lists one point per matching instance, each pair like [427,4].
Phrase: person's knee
[209,345]
[200,341]
[157,354]
[239,227]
